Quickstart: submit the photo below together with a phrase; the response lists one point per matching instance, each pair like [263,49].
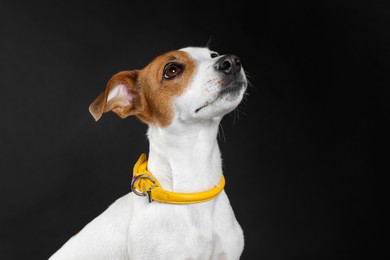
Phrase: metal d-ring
[142,193]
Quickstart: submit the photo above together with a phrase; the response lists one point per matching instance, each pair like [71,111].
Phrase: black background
[301,154]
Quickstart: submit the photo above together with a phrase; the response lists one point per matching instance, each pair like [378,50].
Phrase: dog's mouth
[232,89]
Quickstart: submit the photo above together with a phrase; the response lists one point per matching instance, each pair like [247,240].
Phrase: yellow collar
[144,183]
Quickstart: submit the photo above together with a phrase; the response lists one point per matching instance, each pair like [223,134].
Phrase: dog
[177,208]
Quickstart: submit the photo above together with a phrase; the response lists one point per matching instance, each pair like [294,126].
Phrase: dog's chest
[164,231]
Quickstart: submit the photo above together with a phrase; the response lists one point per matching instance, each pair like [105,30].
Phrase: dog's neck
[185,157]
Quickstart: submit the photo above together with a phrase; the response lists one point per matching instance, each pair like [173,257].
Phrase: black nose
[229,64]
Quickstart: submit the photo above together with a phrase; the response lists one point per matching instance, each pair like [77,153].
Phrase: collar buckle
[146,192]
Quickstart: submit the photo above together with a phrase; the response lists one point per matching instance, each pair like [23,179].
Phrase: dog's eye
[171,70]
[214,55]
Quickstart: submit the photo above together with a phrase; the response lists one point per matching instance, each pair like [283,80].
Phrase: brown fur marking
[152,94]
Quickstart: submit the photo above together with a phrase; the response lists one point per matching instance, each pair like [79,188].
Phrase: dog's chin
[225,101]
[232,90]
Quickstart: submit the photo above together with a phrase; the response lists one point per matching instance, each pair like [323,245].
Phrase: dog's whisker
[208,44]
[249,75]
[222,132]
[243,102]
[233,114]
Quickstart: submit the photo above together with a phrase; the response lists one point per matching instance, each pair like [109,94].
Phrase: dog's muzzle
[231,73]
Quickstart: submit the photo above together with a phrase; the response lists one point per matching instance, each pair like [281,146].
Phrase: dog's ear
[121,96]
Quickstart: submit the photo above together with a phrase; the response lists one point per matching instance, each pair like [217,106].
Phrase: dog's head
[189,84]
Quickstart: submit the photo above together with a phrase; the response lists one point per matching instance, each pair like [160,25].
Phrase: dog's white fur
[184,157]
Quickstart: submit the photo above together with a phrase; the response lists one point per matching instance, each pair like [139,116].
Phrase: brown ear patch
[119,96]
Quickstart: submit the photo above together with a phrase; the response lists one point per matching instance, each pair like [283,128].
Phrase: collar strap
[144,184]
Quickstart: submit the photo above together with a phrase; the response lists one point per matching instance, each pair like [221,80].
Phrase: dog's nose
[229,64]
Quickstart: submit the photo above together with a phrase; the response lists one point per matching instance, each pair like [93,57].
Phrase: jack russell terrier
[178,208]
